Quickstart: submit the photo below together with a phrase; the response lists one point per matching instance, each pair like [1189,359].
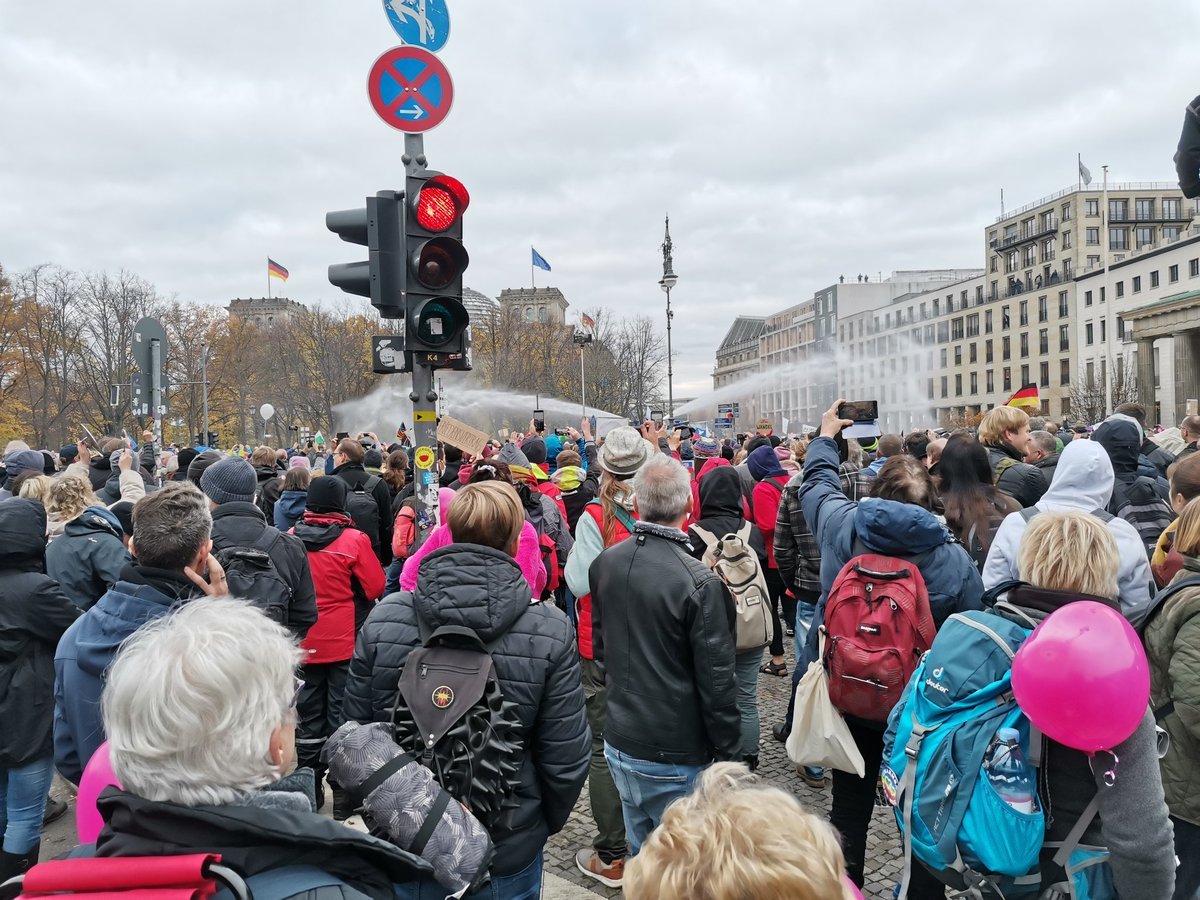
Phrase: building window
[1087,334]
[1066,239]
[1030,255]
[987,351]
[978,294]
[1064,337]
[1170,208]
[1063,306]
[1092,235]
[972,356]
[1154,279]
[957,385]
[1024,375]
[937,307]
[1087,298]
[991,381]
[1064,371]
[958,354]
[1066,407]
[973,325]
[1093,262]
[1048,250]
[1143,208]
[924,312]
[1103,330]
[1066,212]
[1043,309]
[1007,378]
[1118,210]
[930,388]
[943,332]
[1193,268]
[1091,207]
[542,313]
[995,264]
[1045,373]
[943,357]
[1170,233]
[1173,274]
[1118,239]
[956,329]
[529,314]
[1136,286]
[945,381]
[1120,328]
[1024,312]
[974,382]
[1144,236]
[987,322]
[1006,348]
[1024,344]
[1120,289]
[1005,320]
[1044,341]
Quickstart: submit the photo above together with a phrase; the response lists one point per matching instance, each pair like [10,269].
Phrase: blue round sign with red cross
[410,89]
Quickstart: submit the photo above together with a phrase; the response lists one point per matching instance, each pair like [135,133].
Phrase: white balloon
[266,411]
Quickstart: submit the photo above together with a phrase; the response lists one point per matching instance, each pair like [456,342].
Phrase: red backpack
[878,624]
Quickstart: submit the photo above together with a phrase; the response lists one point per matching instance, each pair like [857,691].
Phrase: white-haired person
[700,849]
[199,708]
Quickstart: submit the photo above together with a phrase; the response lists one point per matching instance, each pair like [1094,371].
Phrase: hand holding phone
[859,410]
[539,420]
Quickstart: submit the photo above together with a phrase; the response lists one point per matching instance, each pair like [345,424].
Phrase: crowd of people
[585,609]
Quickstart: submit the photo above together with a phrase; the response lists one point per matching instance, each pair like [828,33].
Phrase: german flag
[275,270]
[1026,396]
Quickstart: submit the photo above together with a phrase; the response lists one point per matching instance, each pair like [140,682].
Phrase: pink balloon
[852,889]
[1082,677]
[97,775]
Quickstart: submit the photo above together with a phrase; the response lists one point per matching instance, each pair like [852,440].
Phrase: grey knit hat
[229,480]
[624,451]
[512,455]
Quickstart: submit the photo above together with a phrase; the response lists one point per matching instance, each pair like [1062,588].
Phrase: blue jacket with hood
[87,650]
[87,558]
[884,526]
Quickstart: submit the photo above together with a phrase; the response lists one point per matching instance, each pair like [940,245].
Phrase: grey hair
[192,699]
[1037,423]
[1045,441]
[171,525]
[662,489]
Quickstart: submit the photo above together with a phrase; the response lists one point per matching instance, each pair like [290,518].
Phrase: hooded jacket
[537,668]
[345,572]
[1121,438]
[289,509]
[270,487]
[882,526]
[721,511]
[87,649]
[87,559]
[33,616]
[1083,482]
[275,828]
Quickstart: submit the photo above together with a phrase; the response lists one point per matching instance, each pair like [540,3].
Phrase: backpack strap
[907,787]
[266,540]
[710,539]
[773,483]
[624,517]
[744,533]
[1063,855]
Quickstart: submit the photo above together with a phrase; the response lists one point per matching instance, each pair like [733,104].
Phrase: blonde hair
[1000,421]
[69,496]
[734,837]
[35,487]
[487,513]
[1187,532]
[263,456]
[1069,551]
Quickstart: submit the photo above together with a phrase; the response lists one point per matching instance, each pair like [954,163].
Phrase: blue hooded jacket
[87,650]
[887,527]
[87,559]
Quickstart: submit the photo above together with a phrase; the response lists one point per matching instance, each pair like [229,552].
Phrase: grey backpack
[737,565]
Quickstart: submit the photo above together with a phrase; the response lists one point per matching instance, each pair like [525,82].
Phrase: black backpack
[253,576]
[362,508]
[451,716]
[1143,507]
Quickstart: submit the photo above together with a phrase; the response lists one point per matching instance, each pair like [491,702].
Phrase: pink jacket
[529,558]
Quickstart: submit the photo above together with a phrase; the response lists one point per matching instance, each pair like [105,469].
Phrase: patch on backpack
[443,697]
[890,784]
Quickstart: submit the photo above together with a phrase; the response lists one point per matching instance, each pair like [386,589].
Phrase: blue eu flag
[539,261]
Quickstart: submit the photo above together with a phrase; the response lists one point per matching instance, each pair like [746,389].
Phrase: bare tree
[1088,389]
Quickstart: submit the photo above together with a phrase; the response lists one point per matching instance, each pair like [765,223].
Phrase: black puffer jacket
[1021,481]
[536,663]
[663,625]
[239,524]
[34,613]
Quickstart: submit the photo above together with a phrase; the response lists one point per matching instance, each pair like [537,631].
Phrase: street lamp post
[668,280]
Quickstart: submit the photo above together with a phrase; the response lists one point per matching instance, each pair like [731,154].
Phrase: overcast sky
[790,142]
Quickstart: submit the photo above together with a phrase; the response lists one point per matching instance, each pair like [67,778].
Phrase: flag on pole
[1026,396]
[275,270]
[1084,173]
[539,260]
[589,321]
[402,433]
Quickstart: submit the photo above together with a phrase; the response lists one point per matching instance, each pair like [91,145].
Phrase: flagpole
[268,279]
[532,278]
[1108,300]
[1079,172]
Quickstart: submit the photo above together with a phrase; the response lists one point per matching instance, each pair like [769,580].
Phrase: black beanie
[326,494]
[534,449]
[197,466]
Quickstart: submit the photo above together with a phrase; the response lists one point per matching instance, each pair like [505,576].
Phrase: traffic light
[381,277]
[436,322]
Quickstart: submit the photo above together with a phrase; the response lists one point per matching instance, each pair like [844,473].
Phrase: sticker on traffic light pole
[420,23]
[410,89]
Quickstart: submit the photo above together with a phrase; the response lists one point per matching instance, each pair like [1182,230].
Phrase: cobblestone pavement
[883,844]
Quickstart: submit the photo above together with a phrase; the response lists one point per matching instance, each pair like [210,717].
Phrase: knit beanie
[186,455]
[372,459]
[534,449]
[763,463]
[706,447]
[230,480]
[512,455]
[123,510]
[327,495]
[300,461]
[197,466]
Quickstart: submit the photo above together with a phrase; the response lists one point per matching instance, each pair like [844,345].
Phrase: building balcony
[1024,235]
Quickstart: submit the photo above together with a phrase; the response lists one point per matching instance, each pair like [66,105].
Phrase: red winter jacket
[339,555]
[583,605]
[766,507]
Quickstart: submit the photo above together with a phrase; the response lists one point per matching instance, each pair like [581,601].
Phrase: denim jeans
[1187,848]
[392,583]
[23,803]
[646,789]
[523,885]
[747,665]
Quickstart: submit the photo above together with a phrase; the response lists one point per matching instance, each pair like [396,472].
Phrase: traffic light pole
[423,396]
